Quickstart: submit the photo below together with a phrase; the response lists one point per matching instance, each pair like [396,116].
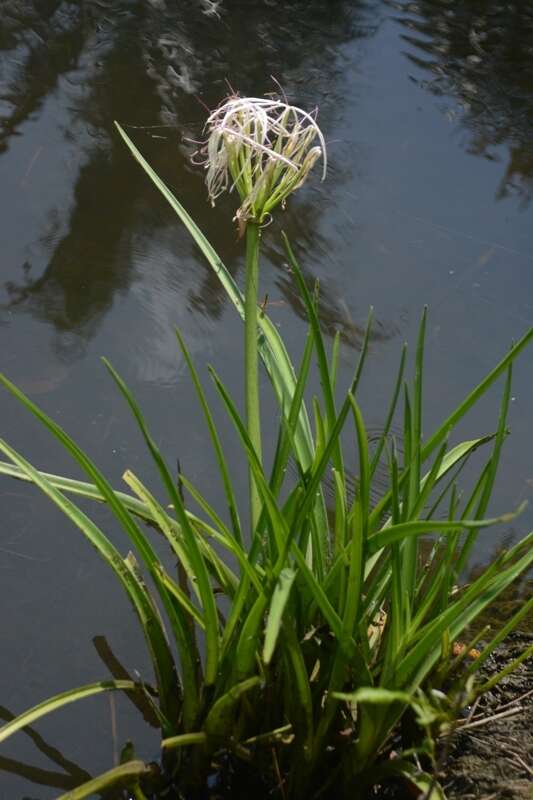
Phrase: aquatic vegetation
[304,637]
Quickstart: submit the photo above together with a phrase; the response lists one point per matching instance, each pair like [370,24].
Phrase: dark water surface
[428,110]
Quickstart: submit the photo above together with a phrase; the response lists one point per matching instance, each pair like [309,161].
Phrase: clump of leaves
[334,625]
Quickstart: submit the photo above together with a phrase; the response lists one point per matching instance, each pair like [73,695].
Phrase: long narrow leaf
[219,721]
[423,656]
[452,420]
[390,414]
[123,775]
[493,467]
[217,446]
[278,523]
[194,552]
[60,700]
[133,504]
[323,366]
[404,530]
[228,541]
[148,617]
[278,604]
[165,669]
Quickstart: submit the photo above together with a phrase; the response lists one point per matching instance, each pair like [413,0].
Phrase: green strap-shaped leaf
[323,366]
[278,523]
[451,421]
[397,533]
[91,492]
[182,598]
[422,657]
[149,619]
[194,552]
[504,631]
[124,775]
[217,446]
[278,604]
[184,740]
[225,538]
[165,671]
[374,695]
[60,700]
[219,721]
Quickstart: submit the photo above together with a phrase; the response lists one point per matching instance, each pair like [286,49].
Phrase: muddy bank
[493,757]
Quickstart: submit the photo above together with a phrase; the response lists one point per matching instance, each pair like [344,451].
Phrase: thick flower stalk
[265,149]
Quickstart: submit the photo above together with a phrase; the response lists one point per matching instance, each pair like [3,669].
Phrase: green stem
[251,378]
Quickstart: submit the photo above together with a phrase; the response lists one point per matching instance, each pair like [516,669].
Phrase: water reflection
[154,66]
[334,313]
[87,264]
[481,53]
[71,777]
[38,46]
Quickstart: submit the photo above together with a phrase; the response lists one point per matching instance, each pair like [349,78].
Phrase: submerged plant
[335,625]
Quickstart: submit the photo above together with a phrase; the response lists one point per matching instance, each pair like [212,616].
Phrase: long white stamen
[258,146]
[247,137]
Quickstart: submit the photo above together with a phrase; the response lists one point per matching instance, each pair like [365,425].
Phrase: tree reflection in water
[158,66]
[72,775]
[481,52]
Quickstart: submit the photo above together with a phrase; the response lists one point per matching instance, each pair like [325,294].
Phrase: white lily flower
[265,149]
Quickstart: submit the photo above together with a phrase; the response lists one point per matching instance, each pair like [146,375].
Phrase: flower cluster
[264,148]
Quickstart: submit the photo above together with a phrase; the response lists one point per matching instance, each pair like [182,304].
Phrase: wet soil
[492,758]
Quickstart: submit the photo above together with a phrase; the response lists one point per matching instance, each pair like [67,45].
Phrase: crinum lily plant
[293,644]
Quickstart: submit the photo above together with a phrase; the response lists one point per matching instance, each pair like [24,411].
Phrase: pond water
[428,110]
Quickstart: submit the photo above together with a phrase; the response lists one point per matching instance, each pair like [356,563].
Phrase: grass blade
[450,460]
[184,600]
[228,541]
[162,520]
[334,367]
[173,534]
[359,522]
[504,631]
[496,578]
[279,526]
[289,422]
[91,492]
[493,467]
